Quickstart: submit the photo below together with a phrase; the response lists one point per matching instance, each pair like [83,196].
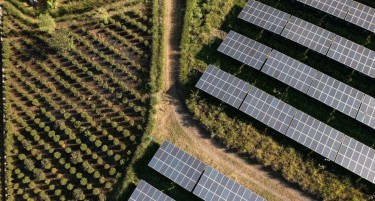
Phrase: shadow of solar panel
[244,49]
[353,55]
[268,110]
[315,135]
[362,16]
[336,94]
[337,8]
[357,158]
[289,71]
[308,35]
[214,186]
[264,16]
[366,113]
[223,86]
[146,192]
[177,165]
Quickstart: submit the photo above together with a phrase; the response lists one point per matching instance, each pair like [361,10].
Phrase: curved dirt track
[175,123]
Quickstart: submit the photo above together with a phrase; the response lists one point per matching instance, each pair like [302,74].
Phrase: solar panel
[215,186]
[177,165]
[146,192]
[362,15]
[315,135]
[289,71]
[353,55]
[308,35]
[357,158]
[244,49]
[264,16]
[338,8]
[366,113]
[223,86]
[336,94]
[268,109]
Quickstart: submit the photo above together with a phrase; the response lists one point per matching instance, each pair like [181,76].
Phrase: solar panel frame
[362,16]
[315,135]
[264,16]
[223,86]
[358,158]
[214,186]
[146,192]
[289,71]
[308,35]
[244,49]
[336,94]
[366,113]
[177,165]
[337,8]
[268,110]
[353,55]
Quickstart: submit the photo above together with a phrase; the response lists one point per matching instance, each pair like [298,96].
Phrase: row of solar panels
[349,10]
[314,37]
[145,192]
[186,171]
[306,79]
[287,120]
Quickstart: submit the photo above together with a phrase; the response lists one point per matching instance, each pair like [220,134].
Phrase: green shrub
[46,23]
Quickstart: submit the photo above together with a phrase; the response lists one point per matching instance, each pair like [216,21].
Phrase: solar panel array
[310,132]
[338,8]
[177,165]
[264,16]
[362,15]
[322,87]
[268,109]
[244,49]
[223,86]
[146,192]
[215,186]
[308,34]
[289,71]
[366,113]
[353,55]
[357,158]
[336,94]
[349,10]
[315,135]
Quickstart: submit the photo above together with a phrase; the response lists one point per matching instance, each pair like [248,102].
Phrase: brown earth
[175,123]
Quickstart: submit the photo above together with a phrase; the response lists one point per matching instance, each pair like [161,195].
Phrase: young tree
[78,194]
[46,23]
[102,15]
[61,41]
[76,157]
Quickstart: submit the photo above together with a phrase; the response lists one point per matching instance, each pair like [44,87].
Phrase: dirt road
[175,124]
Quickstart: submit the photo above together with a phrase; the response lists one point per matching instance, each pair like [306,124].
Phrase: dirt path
[175,124]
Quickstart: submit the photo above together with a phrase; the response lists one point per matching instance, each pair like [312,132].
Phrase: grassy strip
[124,187]
[157,47]
[185,41]
[240,134]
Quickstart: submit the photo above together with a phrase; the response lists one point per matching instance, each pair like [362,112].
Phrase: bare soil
[175,123]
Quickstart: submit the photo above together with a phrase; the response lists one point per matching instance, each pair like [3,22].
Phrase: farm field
[92,88]
[206,25]
[78,88]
